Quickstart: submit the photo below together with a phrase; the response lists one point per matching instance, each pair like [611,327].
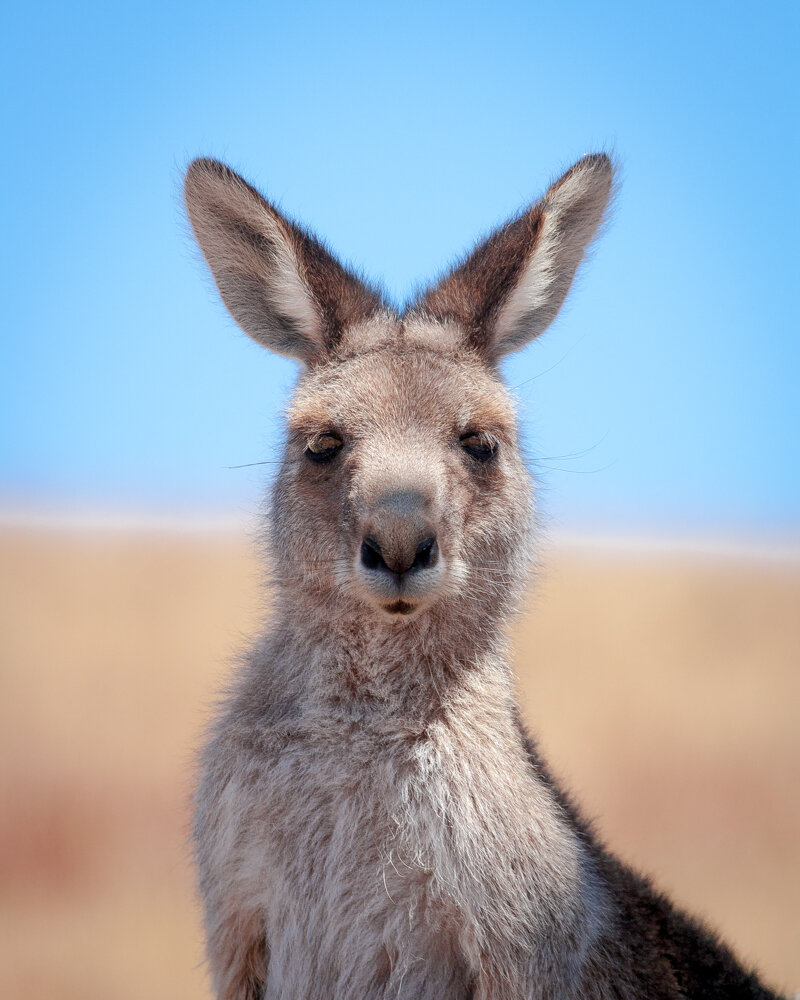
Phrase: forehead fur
[400,384]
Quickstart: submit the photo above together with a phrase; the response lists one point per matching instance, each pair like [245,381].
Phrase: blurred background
[659,658]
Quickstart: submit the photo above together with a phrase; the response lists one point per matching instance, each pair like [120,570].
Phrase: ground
[664,689]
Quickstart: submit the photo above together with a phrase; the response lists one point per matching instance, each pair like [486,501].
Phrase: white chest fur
[389,865]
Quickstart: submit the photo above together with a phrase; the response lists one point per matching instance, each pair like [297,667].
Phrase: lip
[403,597]
[400,608]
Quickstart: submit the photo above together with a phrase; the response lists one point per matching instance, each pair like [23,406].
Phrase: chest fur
[391,858]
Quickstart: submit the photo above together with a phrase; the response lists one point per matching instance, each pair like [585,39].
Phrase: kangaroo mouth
[399,608]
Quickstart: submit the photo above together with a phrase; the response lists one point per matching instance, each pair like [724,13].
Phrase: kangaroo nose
[400,558]
[399,534]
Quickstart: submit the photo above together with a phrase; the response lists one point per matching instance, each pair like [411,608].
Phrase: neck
[359,663]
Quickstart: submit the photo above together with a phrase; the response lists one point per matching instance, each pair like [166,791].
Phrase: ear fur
[511,287]
[278,282]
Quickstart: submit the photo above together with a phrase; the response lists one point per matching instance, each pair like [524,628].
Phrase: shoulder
[251,722]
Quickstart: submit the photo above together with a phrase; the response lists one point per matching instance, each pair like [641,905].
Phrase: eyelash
[483,450]
[327,453]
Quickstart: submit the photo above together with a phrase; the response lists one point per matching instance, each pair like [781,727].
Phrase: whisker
[495,566]
[580,472]
[248,465]
[557,363]
[572,454]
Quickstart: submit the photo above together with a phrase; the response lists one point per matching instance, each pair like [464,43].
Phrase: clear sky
[665,396]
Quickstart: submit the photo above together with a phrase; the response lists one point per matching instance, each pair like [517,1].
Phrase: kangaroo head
[402,485]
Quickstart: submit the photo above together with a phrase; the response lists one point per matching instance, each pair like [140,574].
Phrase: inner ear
[511,287]
[279,283]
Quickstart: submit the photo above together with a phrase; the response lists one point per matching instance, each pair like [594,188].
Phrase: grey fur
[370,821]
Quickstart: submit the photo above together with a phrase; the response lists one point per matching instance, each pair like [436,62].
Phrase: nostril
[371,555]
[427,554]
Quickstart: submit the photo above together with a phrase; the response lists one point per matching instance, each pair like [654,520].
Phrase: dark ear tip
[600,164]
[204,169]
[601,159]
[206,165]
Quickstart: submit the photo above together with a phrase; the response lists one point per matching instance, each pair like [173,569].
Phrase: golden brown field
[666,692]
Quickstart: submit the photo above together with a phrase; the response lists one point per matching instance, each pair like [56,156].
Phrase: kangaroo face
[402,484]
[402,480]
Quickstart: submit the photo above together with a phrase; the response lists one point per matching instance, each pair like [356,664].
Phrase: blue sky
[664,397]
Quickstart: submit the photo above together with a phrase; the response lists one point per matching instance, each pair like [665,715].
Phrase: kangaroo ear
[510,288]
[278,282]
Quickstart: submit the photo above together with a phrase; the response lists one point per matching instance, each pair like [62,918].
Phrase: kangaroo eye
[322,447]
[479,445]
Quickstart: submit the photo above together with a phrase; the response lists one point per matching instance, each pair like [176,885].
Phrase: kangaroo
[372,820]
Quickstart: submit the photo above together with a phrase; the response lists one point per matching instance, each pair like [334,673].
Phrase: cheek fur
[494,509]
[310,513]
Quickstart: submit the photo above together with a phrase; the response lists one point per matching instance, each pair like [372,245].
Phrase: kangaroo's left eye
[323,447]
[479,445]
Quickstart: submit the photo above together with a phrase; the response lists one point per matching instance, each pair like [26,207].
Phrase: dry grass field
[666,692]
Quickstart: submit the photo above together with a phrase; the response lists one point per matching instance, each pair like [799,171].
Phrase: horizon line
[667,542]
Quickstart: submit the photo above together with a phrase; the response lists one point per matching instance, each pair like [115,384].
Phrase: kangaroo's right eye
[323,447]
[481,446]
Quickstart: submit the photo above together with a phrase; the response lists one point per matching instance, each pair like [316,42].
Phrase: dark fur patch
[345,299]
[650,950]
[473,291]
